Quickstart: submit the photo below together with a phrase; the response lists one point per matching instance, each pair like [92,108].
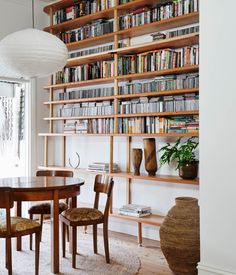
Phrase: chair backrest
[6,202]
[44,173]
[103,184]
[66,174]
[56,173]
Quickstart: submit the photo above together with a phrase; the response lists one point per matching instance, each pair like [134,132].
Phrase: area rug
[123,260]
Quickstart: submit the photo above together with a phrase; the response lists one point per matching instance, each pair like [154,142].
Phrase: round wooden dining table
[45,189]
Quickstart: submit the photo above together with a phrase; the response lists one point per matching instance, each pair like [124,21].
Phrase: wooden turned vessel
[150,155]
[137,156]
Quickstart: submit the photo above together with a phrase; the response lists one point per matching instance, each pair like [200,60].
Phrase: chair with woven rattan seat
[89,216]
[45,208]
[12,227]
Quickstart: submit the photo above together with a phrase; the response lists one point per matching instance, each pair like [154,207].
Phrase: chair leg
[31,235]
[9,256]
[6,263]
[106,245]
[68,233]
[41,225]
[63,233]
[37,245]
[74,245]
[95,245]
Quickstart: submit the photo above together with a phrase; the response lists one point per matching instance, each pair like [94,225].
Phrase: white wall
[217,140]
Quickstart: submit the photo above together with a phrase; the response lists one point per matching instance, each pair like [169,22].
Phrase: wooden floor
[150,255]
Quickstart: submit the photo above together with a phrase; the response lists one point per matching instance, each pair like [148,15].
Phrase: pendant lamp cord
[33,14]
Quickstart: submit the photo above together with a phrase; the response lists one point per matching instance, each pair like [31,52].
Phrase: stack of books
[135,210]
[103,167]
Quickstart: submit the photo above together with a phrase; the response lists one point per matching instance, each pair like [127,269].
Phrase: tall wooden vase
[150,155]
[137,155]
[180,236]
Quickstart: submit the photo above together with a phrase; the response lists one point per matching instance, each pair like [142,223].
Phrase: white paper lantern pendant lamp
[33,53]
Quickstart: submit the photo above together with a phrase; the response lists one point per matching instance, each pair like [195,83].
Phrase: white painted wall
[217,140]
[16,15]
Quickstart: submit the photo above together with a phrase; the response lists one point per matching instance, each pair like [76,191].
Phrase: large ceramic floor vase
[150,155]
[180,237]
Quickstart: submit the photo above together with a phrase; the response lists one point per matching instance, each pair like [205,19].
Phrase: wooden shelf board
[70,135]
[157,178]
[58,5]
[91,99]
[156,94]
[161,114]
[89,42]
[89,59]
[90,82]
[78,117]
[175,42]
[80,21]
[159,25]
[181,70]
[70,101]
[127,7]
[153,219]
[121,135]
[137,31]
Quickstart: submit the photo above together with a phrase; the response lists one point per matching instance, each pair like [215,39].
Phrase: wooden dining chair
[12,227]
[45,208]
[89,216]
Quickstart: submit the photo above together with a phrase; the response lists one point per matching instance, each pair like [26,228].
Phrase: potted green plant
[184,155]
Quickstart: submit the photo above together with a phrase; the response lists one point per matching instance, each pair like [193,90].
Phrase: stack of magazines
[102,166]
[135,210]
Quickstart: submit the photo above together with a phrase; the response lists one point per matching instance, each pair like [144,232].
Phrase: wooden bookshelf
[114,37]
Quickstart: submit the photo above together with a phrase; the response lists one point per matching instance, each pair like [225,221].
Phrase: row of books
[81,9]
[103,167]
[99,69]
[86,109]
[89,126]
[177,32]
[163,83]
[158,84]
[97,28]
[135,210]
[145,15]
[187,102]
[158,60]
[98,49]
[156,125]
[90,93]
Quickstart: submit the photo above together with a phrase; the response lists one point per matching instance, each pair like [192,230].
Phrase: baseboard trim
[210,270]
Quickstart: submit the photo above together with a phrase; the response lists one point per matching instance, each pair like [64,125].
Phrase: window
[12,130]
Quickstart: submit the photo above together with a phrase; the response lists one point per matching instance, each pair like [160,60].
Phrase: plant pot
[150,156]
[180,236]
[137,155]
[189,170]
